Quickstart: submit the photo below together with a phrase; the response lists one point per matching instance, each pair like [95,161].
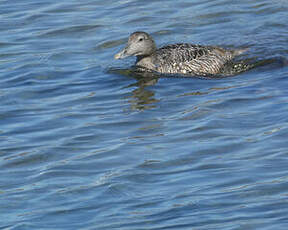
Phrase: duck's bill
[121,54]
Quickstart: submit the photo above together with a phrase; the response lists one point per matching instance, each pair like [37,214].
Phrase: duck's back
[188,58]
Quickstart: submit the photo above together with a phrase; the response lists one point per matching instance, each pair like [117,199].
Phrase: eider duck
[180,58]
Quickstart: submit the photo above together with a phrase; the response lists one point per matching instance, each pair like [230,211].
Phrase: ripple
[70,30]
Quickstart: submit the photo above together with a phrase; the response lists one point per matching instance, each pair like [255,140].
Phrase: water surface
[83,147]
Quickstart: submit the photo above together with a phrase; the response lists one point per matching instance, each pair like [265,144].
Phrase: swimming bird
[180,58]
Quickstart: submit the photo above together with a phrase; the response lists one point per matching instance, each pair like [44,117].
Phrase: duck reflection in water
[141,98]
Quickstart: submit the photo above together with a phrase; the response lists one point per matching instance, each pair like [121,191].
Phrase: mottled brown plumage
[181,58]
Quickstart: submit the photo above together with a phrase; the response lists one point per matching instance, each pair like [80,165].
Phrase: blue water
[84,147]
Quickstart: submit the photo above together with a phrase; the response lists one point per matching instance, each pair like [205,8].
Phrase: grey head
[139,44]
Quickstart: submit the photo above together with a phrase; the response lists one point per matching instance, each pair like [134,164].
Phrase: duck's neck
[145,61]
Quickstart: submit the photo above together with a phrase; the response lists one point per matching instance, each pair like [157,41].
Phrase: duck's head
[139,44]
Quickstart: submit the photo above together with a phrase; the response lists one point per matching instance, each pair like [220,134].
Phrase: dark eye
[140,39]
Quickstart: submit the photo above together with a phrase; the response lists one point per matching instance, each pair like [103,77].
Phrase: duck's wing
[188,58]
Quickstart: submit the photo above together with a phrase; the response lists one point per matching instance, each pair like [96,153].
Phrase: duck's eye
[140,39]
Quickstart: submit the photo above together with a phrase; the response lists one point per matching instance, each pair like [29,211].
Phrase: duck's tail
[237,52]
